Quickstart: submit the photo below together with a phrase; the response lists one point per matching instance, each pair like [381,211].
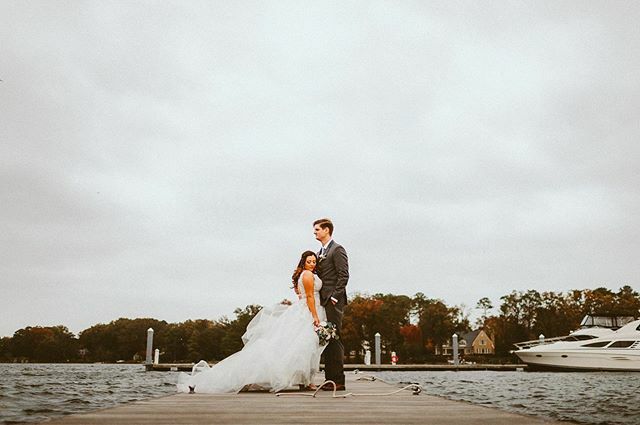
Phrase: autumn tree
[359,325]
[51,344]
[600,301]
[366,315]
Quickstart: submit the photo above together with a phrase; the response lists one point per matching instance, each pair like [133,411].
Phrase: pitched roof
[469,337]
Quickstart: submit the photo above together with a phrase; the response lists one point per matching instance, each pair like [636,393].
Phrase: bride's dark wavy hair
[298,271]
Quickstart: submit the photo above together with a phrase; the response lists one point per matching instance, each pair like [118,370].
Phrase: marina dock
[370,403]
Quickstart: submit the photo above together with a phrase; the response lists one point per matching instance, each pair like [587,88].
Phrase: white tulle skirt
[280,350]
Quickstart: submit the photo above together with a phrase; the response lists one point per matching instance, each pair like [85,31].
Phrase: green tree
[204,340]
[173,342]
[393,313]
[131,336]
[5,351]
[508,327]
[485,305]
[628,301]
[100,341]
[438,322]
[121,339]
[558,314]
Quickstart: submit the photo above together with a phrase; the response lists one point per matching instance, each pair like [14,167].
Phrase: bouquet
[326,331]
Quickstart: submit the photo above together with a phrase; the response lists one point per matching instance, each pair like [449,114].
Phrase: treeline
[414,327]
[411,326]
[126,339]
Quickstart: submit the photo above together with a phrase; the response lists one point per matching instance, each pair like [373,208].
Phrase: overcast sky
[167,159]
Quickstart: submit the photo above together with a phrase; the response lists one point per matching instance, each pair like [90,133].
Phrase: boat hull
[581,361]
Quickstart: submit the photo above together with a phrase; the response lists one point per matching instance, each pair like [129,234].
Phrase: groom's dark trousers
[333,270]
[334,352]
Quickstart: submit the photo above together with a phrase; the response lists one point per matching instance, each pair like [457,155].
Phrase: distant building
[474,342]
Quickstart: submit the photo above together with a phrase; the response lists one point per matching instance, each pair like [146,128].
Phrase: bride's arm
[307,281]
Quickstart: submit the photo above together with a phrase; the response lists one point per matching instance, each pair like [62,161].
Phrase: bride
[281,348]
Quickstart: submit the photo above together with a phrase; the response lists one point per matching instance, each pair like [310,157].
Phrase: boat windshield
[605,321]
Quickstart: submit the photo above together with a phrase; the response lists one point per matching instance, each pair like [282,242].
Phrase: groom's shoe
[329,387]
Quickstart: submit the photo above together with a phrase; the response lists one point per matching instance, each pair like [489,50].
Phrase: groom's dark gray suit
[333,270]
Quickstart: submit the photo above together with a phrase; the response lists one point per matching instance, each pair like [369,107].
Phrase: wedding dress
[281,350]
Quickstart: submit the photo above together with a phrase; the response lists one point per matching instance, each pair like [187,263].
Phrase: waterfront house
[474,342]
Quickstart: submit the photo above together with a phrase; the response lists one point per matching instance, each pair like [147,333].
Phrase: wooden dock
[364,407]
[184,367]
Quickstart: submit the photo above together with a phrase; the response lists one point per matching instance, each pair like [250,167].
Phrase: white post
[456,362]
[156,356]
[541,339]
[367,357]
[149,345]
[394,358]
[377,345]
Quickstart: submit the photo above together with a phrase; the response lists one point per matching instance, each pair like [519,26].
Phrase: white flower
[326,331]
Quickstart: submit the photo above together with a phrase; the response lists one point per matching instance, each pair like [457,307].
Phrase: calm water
[37,392]
[611,398]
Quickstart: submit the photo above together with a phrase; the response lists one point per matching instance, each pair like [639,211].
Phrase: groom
[333,270]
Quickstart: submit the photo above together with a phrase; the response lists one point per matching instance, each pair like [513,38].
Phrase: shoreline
[186,367]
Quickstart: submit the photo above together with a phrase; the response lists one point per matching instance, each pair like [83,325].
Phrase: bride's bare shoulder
[307,276]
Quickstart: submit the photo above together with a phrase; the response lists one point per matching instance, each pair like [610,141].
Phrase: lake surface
[37,392]
[604,398]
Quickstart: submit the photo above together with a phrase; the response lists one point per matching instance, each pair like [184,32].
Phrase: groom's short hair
[325,223]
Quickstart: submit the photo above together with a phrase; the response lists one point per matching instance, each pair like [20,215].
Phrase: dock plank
[266,408]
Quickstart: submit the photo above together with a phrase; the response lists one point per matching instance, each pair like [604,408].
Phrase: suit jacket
[333,270]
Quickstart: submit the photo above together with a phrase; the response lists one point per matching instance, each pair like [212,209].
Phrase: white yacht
[593,347]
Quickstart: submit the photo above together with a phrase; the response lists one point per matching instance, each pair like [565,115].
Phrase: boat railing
[536,342]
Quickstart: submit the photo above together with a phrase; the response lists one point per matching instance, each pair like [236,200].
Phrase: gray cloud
[167,160]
